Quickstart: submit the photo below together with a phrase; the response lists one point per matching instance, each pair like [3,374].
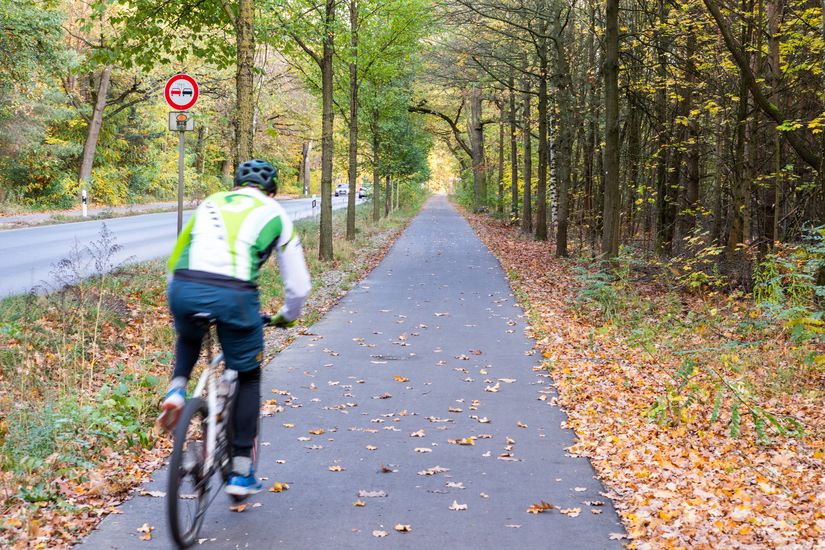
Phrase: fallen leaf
[455,485]
[507,380]
[401,379]
[458,507]
[579,489]
[617,536]
[317,431]
[455,410]
[289,425]
[239,507]
[371,494]
[492,389]
[336,468]
[423,450]
[540,507]
[419,433]
[379,534]
[433,471]
[484,495]
[571,512]
[146,529]
[278,487]
[402,528]
[371,447]
[521,424]
[157,494]
[359,503]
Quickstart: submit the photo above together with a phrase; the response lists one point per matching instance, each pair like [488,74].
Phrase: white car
[341,189]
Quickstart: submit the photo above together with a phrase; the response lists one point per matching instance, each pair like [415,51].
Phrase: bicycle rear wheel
[187,496]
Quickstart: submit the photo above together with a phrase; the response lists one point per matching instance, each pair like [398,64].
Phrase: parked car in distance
[341,189]
[363,191]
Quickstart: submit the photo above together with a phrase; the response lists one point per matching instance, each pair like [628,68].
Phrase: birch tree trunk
[353,119]
[95,124]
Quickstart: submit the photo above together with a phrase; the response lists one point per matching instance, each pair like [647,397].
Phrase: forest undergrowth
[82,370]
[701,412]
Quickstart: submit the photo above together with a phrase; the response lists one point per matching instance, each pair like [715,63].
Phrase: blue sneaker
[171,408]
[243,486]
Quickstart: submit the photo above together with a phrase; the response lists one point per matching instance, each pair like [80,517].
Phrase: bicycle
[202,443]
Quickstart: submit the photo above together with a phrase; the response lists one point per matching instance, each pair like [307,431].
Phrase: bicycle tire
[185,534]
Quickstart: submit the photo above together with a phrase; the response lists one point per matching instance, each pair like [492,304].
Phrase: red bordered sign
[181,92]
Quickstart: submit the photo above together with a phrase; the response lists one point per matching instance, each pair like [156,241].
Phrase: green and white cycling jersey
[231,235]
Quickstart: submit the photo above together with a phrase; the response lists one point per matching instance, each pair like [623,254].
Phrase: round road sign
[181,92]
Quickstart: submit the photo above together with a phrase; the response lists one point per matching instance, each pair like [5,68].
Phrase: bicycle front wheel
[187,496]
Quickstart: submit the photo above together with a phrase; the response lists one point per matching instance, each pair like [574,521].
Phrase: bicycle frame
[209,381]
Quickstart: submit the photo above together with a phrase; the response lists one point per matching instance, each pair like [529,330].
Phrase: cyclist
[214,268]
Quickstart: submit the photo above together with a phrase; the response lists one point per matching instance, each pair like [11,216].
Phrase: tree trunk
[502,121]
[692,174]
[305,150]
[353,119]
[541,195]
[376,174]
[387,196]
[566,136]
[476,132]
[95,124]
[325,252]
[199,144]
[664,208]
[527,207]
[244,81]
[738,216]
[513,153]
[612,192]
[774,16]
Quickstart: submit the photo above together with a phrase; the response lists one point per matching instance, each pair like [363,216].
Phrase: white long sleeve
[294,274]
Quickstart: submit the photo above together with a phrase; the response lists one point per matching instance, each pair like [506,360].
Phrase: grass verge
[82,370]
[702,415]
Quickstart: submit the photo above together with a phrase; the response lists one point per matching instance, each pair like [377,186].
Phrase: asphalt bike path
[419,396]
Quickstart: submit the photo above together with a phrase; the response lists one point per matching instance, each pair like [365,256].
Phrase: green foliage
[787,288]
[30,36]
[598,290]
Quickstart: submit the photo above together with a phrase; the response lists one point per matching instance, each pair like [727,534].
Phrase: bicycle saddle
[203,319]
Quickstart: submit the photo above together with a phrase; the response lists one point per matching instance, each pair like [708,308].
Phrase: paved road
[439,312]
[10,221]
[30,254]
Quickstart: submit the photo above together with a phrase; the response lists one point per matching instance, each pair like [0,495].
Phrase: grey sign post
[180,122]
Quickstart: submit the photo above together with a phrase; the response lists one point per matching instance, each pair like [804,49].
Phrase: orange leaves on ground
[688,486]
[146,531]
[278,487]
[540,507]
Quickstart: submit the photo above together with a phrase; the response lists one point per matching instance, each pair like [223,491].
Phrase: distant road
[28,254]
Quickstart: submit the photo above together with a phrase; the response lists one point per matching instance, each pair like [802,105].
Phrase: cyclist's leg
[245,417]
[185,299]
[241,334]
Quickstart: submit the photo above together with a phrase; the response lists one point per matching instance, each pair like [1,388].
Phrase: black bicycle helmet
[258,173]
